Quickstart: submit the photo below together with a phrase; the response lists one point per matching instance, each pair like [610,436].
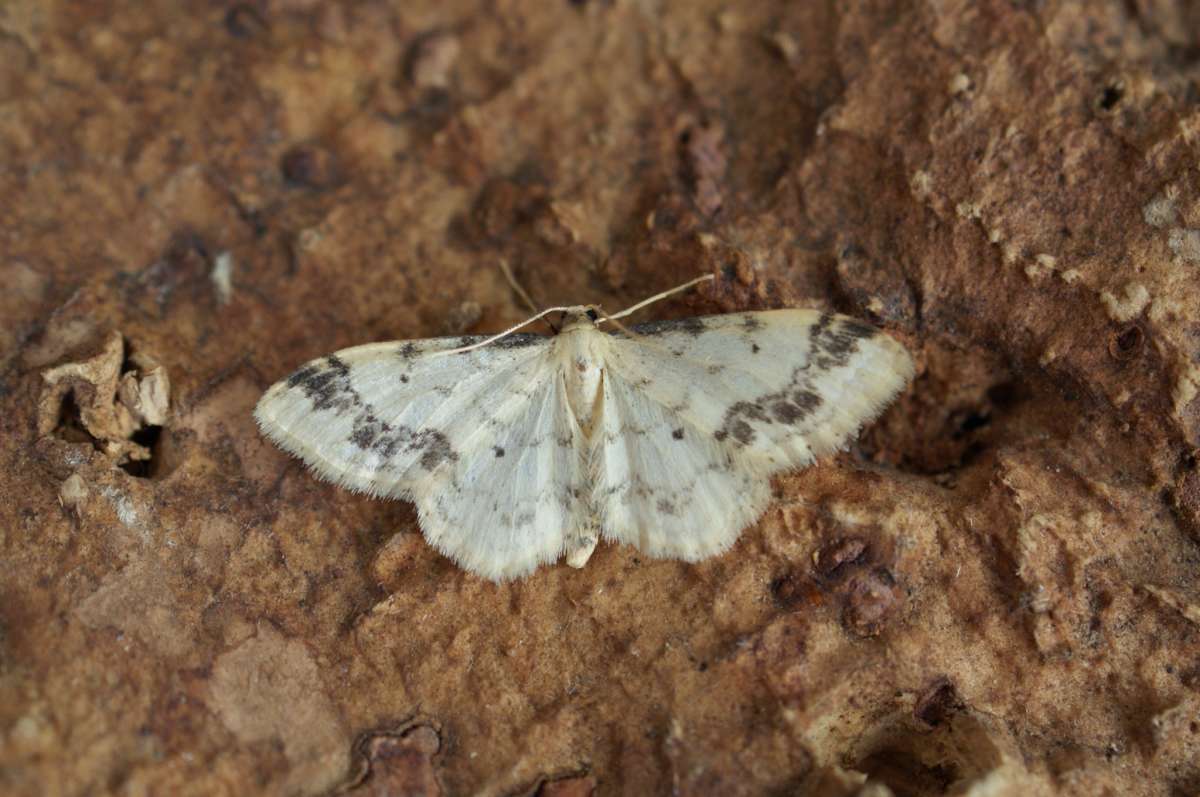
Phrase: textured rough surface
[996,592]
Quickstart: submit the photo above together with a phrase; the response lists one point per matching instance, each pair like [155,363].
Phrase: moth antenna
[659,296]
[530,304]
[643,339]
[606,317]
[503,334]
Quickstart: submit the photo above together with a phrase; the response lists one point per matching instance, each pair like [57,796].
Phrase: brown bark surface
[995,591]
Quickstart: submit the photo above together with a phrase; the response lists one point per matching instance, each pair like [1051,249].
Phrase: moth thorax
[581,362]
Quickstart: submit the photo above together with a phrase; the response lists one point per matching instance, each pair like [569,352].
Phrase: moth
[519,449]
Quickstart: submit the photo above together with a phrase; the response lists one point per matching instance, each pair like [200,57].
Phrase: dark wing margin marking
[517,340]
[833,343]
[692,326]
[326,384]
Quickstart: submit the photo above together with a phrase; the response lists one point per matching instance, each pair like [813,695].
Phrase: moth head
[581,317]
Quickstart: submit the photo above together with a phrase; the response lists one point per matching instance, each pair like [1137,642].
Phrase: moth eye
[592,314]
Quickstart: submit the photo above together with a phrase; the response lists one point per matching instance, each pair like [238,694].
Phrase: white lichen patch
[921,185]
[968,210]
[1161,211]
[1187,385]
[1185,244]
[1048,356]
[1175,600]
[127,513]
[1041,265]
[222,277]
[1128,305]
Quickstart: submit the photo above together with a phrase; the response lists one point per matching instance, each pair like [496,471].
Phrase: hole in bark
[1112,95]
[151,438]
[70,422]
[1125,345]
[937,704]
[1005,395]
[906,775]
[971,421]
[788,591]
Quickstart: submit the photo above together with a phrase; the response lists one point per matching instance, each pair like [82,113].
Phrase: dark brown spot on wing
[807,400]
[835,340]
[338,365]
[796,408]
[858,329]
[785,412]
[370,432]
[435,448]
[326,383]
[736,421]
[750,323]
